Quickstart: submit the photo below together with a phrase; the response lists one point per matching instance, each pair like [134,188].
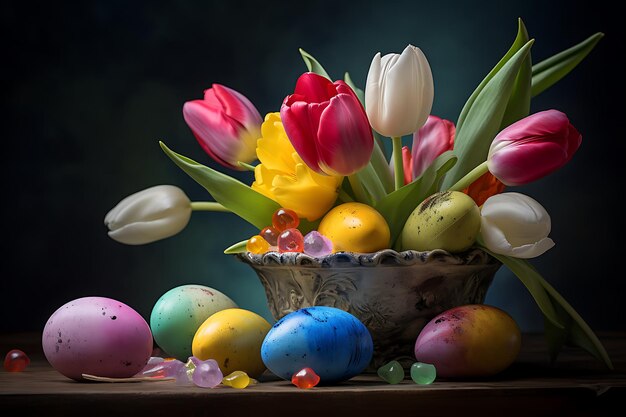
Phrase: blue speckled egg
[332,342]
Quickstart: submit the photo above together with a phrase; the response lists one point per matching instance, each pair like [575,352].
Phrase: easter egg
[179,312]
[355,227]
[330,341]
[448,220]
[232,337]
[97,336]
[469,341]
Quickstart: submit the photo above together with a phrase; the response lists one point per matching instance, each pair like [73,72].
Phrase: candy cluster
[421,373]
[284,236]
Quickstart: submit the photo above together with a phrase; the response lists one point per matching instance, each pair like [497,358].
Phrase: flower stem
[344,196]
[208,206]
[470,177]
[398,167]
[358,189]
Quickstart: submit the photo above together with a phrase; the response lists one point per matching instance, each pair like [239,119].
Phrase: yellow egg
[355,227]
[233,337]
[448,220]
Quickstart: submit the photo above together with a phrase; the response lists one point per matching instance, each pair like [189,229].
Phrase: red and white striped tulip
[327,125]
[533,147]
[226,124]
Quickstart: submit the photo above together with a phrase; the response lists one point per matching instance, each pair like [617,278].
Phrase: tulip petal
[237,106]
[301,122]
[347,142]
[314,88]
[430,141]
[140,233]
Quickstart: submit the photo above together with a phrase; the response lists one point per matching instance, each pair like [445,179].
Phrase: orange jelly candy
[257,245]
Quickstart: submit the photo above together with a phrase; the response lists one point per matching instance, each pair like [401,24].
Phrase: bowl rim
[385,257]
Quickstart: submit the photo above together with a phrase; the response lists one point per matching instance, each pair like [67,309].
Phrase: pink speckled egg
[97,336]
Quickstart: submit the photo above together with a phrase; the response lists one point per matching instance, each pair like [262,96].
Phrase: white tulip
[399,92]
[149,215]
[516,225]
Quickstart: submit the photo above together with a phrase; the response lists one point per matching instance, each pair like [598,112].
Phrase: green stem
[208,206]
[398,167]
[358,189]
[248,167]
[470,177]
[344,196]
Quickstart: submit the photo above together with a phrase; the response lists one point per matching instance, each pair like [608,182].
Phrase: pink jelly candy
[291,240]
[16,361]
[270,234]
[317,245]
[305,378]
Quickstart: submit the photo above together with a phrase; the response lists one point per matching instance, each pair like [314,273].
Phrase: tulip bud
[430,141]
[149,215]
[515,225]
[226,124]
[533,147]
[327,126]
[399,92]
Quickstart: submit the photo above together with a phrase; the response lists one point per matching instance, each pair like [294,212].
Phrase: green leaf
[518,106]
[359,93]
[236,248]
[532,281]
[313,65]
[548,72]
[520,40]
[371,181]
[577,332]
[484,118]
[398,205]
[236,196]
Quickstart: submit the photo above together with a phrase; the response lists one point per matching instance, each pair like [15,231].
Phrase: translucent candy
[185,372]
[270,234]
[257,244]
[305,378]
[392,372]
[291,240]
[237,379]
[284,219]
[16,361]
[317,245]
[207,374]
[423,373]
[161,368]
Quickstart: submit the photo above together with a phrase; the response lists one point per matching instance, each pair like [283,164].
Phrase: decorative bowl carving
[393,293]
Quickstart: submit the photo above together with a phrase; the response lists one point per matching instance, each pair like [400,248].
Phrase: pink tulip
[430,141]
[533,147]
[226,124]
[327,125]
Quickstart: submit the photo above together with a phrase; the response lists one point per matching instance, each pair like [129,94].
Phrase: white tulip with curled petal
[149,215]
[516,225]
[399,92]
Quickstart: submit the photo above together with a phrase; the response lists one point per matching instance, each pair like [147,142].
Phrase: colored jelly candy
[257,245]
[237,379]
[16,361]
[270,234]
[207,374]
[161,368]
[305,378]
[284,219]
[317,245]
[392,372]
[423,373]
[291,240]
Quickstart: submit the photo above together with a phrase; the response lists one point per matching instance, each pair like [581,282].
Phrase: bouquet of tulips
[326,147]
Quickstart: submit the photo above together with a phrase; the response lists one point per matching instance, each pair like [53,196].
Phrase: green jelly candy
[423,373]
[392,372]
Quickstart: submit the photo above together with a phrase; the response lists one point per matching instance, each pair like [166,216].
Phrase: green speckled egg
[179,313]
[448,220]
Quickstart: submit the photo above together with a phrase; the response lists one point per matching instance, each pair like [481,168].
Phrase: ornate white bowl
[393,293]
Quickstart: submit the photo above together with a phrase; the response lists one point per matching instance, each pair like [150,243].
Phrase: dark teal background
[90,88]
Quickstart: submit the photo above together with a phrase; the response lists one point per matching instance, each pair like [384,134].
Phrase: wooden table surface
[575,385]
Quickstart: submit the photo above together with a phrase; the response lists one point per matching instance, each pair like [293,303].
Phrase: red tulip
[226,124]
[430,141]
[533,147]
[327,125]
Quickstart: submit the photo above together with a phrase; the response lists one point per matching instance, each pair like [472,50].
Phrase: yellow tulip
[284,177]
